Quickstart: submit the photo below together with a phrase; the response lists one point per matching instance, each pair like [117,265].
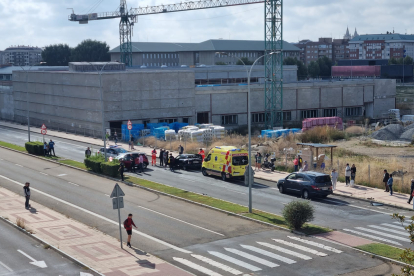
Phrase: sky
[45,22]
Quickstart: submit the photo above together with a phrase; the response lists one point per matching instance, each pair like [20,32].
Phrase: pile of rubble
[394,132]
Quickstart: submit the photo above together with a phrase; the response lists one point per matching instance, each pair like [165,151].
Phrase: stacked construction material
[170,134]
[159,132]
[270,133]
[135,131]
[335,122]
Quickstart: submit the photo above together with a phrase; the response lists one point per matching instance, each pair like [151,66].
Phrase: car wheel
[281,189]
[324,196]
[305,194]
[204,172]
[223,177]
[144,166]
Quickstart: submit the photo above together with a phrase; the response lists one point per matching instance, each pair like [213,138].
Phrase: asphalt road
[181,233]
[17,251]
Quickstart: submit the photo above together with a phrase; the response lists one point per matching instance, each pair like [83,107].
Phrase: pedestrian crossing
[241,259]
[392,233]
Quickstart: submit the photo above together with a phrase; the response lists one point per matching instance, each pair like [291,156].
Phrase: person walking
[45,149]
[88,152]
[141,163]
[171,161]
[165,158]
[305,167]
[347,175]
[52,148]
[334,177]
[353,172]
[161,156]
[180,149]
[390,182]
[26,190]
[128,223]
[259,160]
[296,163]
[121,170]
[116,138]
[255,164]
[153,157]
[412,191]
[385,180]
[130,145]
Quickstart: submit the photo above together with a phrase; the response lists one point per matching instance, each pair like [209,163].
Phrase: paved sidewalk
[89,246]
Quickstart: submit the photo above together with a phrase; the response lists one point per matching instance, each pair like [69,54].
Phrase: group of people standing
[48,148]
[299,164]
[350,173]
[166,159]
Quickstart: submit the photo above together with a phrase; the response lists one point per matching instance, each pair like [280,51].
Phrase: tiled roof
[382,37]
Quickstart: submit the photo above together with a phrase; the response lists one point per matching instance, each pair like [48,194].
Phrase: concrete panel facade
[6,103]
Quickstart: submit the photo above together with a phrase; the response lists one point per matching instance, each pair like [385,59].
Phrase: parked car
[113,151]
[126,158]
[188,161]
[307,184]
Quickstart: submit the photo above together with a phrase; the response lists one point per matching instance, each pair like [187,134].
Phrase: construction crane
[273,41]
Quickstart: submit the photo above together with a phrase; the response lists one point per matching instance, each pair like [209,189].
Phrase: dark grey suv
[307,184]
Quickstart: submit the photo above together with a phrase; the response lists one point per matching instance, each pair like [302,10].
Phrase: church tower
[347,35]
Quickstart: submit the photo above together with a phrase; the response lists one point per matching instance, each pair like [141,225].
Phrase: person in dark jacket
[121,170]
[88,152]
[171,162]
[128,223]
[26,189]
[180,149]
[161,156]
[166,158]
[385,180]
[353,172]
[412,190]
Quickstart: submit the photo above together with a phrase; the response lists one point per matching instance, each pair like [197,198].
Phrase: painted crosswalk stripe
[300,247]
[269,254]
[217,264]
[316,244]
[394,237]
[251,257]
[399,223]
[372,237]
[399,227]
[234,261]
[286,251]
[196,267]
[390,230]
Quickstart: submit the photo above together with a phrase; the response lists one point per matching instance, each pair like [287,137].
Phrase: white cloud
[44,22]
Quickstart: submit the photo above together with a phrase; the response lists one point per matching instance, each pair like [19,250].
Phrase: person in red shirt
[128,227]
[154,157]
[201,152]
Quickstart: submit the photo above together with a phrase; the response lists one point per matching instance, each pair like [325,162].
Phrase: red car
[126,158]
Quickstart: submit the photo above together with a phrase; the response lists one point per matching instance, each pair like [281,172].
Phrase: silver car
[112,151]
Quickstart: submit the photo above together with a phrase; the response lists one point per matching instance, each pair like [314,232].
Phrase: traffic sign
[43,131]
[118,203]
[43,127]
[117,191]
[129,125]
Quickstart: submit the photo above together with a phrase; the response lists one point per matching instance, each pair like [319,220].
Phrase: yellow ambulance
[226,162]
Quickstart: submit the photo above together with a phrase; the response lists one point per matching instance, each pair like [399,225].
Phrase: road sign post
[129,125]
[118,203]
[43,131]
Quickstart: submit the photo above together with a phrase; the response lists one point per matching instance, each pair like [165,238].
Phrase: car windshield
[240,160]
[189,156]
[120,150]
[322,179]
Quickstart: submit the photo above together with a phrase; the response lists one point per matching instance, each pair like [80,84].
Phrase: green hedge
[110,168]
[35,148]
[93,163]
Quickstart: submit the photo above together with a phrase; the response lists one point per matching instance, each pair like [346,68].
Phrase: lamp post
[249,121]
[27,99]
[102,104]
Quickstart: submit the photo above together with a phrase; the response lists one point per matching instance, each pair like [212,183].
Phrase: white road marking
[390,230]
[73,184]
[404,223]
[1,159]
[107,195]
[180,220]
[316,244]
[372,237]
[274,189]
[286,251]
[252,257]
[369,209]
[300,247]
[217,264]
[235,261]
[19,165]
[5,266]
[63,174]
[101,217]
[40,264]
[43,173]
[394,226]
[394,237]
[269,254]
[196,267]
[235,191]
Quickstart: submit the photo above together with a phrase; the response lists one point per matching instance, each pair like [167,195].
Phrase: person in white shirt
[334,176]
[347,175]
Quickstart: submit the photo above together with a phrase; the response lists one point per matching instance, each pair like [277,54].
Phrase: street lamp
[249,121]
[102,104]
[27,99]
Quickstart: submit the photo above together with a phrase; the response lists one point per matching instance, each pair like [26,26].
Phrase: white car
[112,151]
[164,66]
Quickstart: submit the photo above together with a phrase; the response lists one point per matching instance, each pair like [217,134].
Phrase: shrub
[35,148]
[110,168]
[322,134]
[297,213]
[93,163]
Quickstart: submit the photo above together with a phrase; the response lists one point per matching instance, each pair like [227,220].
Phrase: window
[309,114]
[258,118]
[330,112]
[169,121]
[229,120]
[353,111]
[287,115]
[186,120]
[145,122]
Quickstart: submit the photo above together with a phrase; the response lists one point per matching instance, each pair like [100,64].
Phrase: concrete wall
[384,96]
[6,103]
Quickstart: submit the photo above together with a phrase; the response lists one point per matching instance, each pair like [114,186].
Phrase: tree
[290,61]
[408,60]
[325,66]
[392,61]
[91,50]
[302,72]
[313,69]
[220,63]
[56,55]
[245,60]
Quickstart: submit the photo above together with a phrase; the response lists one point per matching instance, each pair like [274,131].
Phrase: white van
[407,119]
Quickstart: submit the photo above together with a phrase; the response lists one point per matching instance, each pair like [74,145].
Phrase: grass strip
[73,163]
[382,250]
[309,229]
[13,146]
